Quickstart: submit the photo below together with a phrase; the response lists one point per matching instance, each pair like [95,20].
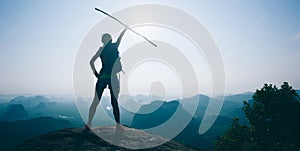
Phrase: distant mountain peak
[15,112]
[30,101]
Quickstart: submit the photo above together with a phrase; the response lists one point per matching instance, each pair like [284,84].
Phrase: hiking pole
[97,9]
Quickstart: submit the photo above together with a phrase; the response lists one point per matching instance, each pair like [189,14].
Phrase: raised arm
[121,36]
[92,61]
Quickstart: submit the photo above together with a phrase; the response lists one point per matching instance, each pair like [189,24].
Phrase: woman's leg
[100,86]
[114,89]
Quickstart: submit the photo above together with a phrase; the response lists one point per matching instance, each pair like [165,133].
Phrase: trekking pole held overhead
[97,9]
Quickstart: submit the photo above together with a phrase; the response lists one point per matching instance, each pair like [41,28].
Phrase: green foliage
[274,122]
[237,138]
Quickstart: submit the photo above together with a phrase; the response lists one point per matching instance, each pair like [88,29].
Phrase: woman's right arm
[92,61]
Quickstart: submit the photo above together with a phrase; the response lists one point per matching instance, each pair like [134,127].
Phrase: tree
[273,118]
[237,138]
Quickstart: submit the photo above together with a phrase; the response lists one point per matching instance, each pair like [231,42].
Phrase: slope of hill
[239,98]
[15,112]
[75,139]
[12,133]
[159,116]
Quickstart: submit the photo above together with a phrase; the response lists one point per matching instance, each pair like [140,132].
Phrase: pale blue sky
[259,40]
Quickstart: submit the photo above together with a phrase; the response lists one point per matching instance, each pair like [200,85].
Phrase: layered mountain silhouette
[75,139]
[157,112]
[28,107]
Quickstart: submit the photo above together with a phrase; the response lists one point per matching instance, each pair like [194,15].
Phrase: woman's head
[106,38]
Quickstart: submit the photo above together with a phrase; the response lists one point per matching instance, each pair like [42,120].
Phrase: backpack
[111,61]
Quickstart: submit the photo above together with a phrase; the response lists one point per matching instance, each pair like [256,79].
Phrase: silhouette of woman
[107,76]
